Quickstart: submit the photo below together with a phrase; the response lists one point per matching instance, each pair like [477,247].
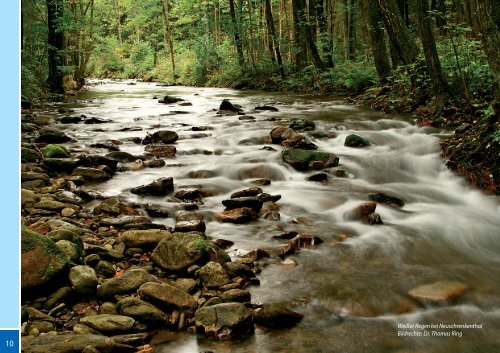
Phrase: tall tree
[326,41]
[272,35]
[55,46]
[425,31]
[236,33]
[168,31]
[371,12]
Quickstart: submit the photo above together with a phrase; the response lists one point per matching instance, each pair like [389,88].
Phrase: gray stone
[306,159]
[159,187]
[167,296]
[68,343]
[142,311]
[143,238]
[277,315]
[354,140]
[224,321]
[127,283]
[107,323]
[112,206]
[235,295]
[91,174]
[72,250]
[28,198]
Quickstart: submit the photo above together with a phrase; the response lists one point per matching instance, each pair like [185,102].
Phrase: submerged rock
[167,151]
[267,107]
[276,315]
[387,199]
[224,321]
[440,291]
[170,100]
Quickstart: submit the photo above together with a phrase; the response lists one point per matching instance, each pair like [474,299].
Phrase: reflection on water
[353,293]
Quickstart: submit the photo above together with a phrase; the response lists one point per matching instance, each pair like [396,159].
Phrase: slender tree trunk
[55,46]
[351,39]
[272,35]
[399,34]
[168,30]
[236,33]
[424,27]
[376,33]
[118,21]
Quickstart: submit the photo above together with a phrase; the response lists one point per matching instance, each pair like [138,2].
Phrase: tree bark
[325,40]
[118,21]
[55,46]
[304,32]
[272,36]
[424,27]
[168,31]
[399,34]
[300,53]
[376,34]
[236,33]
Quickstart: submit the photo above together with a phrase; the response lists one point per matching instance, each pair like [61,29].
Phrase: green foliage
[140,61]
[106,61]
[30,84]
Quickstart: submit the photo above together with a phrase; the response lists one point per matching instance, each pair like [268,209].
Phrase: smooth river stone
[440,291]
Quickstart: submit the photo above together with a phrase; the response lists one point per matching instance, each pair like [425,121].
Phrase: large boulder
[57,165]
[55,151]
[143,238]
[228,106]
[106,323]
[178,251]
[357,141]
[224,321]
[159,187]
[306,159]
[276,315]
[51,135]
[142,311]
[29,155]
[127,283]
[281,133]
[121,156]
[252,202]
[167,296]
[212,275]
[41,260]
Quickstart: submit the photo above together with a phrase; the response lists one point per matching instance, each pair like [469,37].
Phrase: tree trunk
[272,35]
[55,46]
[118,21]
[300,53]
[424,27]
[373,16]
[351,38]
[304,33]
[168,30]
[313,15]
[399,34]
[325,41]
[236,33]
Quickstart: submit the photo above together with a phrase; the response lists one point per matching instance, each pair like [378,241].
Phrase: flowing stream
[353,293]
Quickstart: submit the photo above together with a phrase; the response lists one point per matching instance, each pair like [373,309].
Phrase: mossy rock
[357,141]
[29,156]
[41,260]
[121,156]
[306,159]
[178,251]
[55,151]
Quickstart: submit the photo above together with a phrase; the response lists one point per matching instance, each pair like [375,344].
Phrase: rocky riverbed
[107,273]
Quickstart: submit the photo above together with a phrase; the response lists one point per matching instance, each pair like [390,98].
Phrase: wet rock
[28,198]
[303,125]
[57,165]
[227,105]
[224,321]
[235,269]
[223,243]
[247,193]
[143,238]
[299,143]
[83,280]
[440,291]
[107,323]
[105,269]
[73,251]
[165,136]
[95,120]
[280,134]
[121,156]
[306,240]
[305,159]
[354,140]
[318,177]
[276,315]
[51,135]
[201,174]
[156,211]
[272,216]
[97,161]
[55,151]
[70,119]
[386,199]
[235,295]
[267,107]
[167,296]
[142,311]
[261,182]
[68,343]
[188,216]
[50,205]
[286,250]
[91,174]
[364,212]
[127,283]
[374,218]
[190,226]
[178,251]
[41,260]
[251,202]
[170,100]
[264,197]
[29,155]
[286,235]
[167,151]
[155,163]
[212,275]
[188,285]
[159,187]
[189,195]
[237,215]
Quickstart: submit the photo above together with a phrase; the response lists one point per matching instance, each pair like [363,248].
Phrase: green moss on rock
[55,151]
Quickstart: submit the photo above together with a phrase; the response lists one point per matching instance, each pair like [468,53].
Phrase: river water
[353,293]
